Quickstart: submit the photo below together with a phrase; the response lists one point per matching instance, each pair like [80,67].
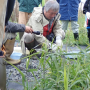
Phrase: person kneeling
[46,21]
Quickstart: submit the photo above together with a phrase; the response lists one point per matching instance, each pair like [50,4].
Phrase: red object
[46,31]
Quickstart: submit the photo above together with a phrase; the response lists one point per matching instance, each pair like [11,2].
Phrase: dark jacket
[14,27]
[10,5]
[28,5]
[69,9]
[86,7]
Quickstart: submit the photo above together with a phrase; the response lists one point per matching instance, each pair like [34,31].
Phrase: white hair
[52,4]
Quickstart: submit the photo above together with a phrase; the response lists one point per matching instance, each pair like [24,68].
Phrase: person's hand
[88,15]
[28,29]
[53,47]
[59,41]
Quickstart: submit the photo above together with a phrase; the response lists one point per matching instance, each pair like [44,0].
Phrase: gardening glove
[88,15]
[59,41]
[53,47]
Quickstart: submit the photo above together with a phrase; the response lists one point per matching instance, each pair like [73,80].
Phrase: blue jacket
[69,9]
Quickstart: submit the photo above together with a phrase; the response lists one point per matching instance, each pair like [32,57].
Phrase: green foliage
[65,79]
[59,73]
[69,38]
[83,39]
[17,37]
[65,74]
[43,3]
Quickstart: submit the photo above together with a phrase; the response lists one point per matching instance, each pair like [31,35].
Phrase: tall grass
[58,72]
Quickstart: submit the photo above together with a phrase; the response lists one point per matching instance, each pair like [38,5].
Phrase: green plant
[83,39]
[17,37]
[69,38]
[59,73]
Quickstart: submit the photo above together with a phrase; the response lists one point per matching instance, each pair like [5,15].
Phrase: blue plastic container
[16,55]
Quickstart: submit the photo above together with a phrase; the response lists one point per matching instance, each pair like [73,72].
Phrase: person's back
[69,9]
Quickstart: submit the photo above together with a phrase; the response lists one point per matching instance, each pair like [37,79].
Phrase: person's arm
[58,32]
[10,6]
[15,27]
